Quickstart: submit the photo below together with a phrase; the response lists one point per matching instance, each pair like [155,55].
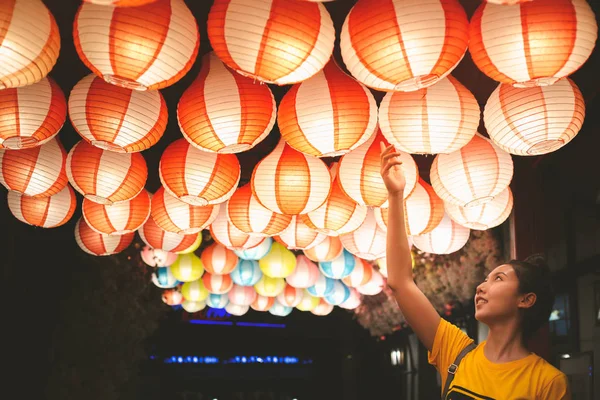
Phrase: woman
[514,300]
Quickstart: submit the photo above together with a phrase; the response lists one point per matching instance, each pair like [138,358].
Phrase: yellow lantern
[269,287]
[194,290]
[187,268]
[279,262]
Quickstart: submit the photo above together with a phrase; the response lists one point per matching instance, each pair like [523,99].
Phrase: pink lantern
[299,236]
[368,241]
[218,259]
[98,244]
[172,297]
[353,301]
[446,238]
[217,284]
[45,212]
[157,238]
[157,257]
[291,296]
[173,215]
[329,249]
[304,275]
[236,309]
[262,303]
[119,218]
[373,286]
[242,295]
[225,233]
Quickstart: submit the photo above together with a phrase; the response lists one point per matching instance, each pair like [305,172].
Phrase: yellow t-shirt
[478,378]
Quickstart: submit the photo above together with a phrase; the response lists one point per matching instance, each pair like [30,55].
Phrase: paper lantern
[236,309]
[194,246]
[484,216]
[197,177]
[308,302]
[536,120]
[193,306]
[322,309]
[172,297]
[223,111]
[31,115]
[120,218]
[289,182]
[187,267]
[144,48]
[37,172]
[279,309]
[157,257]
[329,249]
[368,241]
[322,287]
[98,244]
[270,287]
[353,301]
[163,278]
[290,296]
[157,238]
[105,177]
[29,44]
[246,273]
[257,252]
[45,212]
[278,263]
[116,118]
[340,294]
[304,275]
[403,45]
[299,236]
[446,238]
[121,3]
[373,286]
[360,178]
[360,275]
[241,295]
[262,303]
[340,267]
[218,259]
[173,215]
[217,284]
[382,262]
[534,43]
[274,41]
[194,290]
[217,300]
[473,175]
[439,119]
[224,232]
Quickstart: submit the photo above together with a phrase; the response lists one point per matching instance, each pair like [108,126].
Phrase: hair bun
[537,260]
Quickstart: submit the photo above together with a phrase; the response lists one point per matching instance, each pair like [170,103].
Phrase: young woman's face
[497,297]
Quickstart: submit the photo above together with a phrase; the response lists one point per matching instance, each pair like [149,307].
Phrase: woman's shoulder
[548,370]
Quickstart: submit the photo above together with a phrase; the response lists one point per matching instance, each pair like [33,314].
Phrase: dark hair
[534,277]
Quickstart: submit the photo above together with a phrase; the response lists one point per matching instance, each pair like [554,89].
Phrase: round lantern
[174,215]
[373,286]
[29,44]
[31,115]
[194,290]
[353,301]
[172,297]
[256,252]
[121,3]
[157,257]
[485,216]
[299,236]
[533,43]
[279,309]
[340,267]
[359,175]
[105,177]
[270,287]
[536,120]
[146,47]
[217,284]
[262,303]
[194,246]
[242,295]
[322,287]
[236,309]
[217,300]
[360,275]
[187,267]
[223,111]
[116,118]
[308,302]
[163,278]
[120,218]
[472,175]
[218,259]
[246,273]
[279,262]
[279,42]
[304,275]
[37,172]
[290,296]
[157,238]
[327,115]
[322,309]
[224,232]
[197,177]
[193,306]
[403,45]
[289,182]
[98,244]
[329,249]
[340,294]
[446,238]
[368,241]
[439,119]
[45,212]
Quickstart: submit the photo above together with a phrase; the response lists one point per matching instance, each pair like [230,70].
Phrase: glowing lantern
[384,44]
[121,3]
[257,252]
[194,290]
[31,115]
[172,297]
[45,212]
[146,47]
[224,232]
[446,238]
[225,112]
[340,267]
[279,262]
[289,182]
[236,309]
[322,309]
[536,120]
[322,287]
[157,257]
[262,303]
[173,215]
[382,264]
[157,238]
[290,296]
[308,302]
[359,175]
[163,278]
[360,275]
[534,43]
[37,172]
[187,267]
[279,309]
[353,301]
[218,259]
[368,241]
[246,273]
[340,294]
[116,118]
[473,175]
[120,218]
[298,235]
[274,41]
[304,275]
[105,177]
[98,244]
[373,286]
[439,119]
[217,300]
[241,295]
[270,287]
[485,216]
[194,246]
[193,306]
[329,249]
[217,284]
[29,43]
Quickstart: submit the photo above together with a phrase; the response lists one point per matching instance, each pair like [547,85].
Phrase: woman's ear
[527,300]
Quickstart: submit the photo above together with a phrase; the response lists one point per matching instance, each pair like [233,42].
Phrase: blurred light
[260,324]
[209,322]
[565,356]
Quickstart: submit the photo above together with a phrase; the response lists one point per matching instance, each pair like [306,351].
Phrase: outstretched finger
[391,155]
[385,149]
[390,165]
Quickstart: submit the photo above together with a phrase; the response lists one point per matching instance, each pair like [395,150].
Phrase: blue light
[209,322]
[268,359]
[211,360]
[188,359]
[237,358]
[179,360]
[173,359]
[260,324]
[259,359]
[195,359]
[275,360]
[290,360]
[252,359]
[244,360]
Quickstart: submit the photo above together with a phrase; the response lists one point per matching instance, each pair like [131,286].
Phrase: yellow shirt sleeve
[558,389]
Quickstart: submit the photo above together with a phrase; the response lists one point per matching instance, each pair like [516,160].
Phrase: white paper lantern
[368,241]
[446,238]
[484,216]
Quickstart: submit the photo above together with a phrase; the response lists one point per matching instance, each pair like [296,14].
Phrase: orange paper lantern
[360,275]
[368,241]
[484,216]
[323,308]
[173,215]
[218,259]
[329,249]
[217,284]
[45,212]
[262,303]
[157,238]
[299,236]
[120,218]
[225,233]
[98,244]
[291,296]
[120,3]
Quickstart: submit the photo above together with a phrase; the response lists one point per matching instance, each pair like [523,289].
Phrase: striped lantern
[340,294]
[472,175]
[197,177]
[280,310]
[274,41]
[322,287]
[484,216]
[353,301]
[359,175]
[248,215]
[373,286]
[278,263]
[403,45]
[262,303]
[194,290]
[163,278]
[304,275]
[327,115]
[105,177]
[172,297]
[224,232]
[157,257]
[120,218]
[218,259]
[144,48]
[327,250]
[438,119]
[120,3]
[368,241]
[290,296]
[194,246]
[241,295]
[289,182]
[322,309]
[360,275]
[299,236]
[173,215]
[256,252]
[37,172]
[308,302]
[217,301]
[246,273]
[268,286]
[187,267]
[535,120]
[98,244]
[45,212]
[31,115]
[193,306]
[217,284]
[533,43]
[223,111]
[236,309]
[448,237]
[339,268]
[29,42]
[157,238]
[116,118]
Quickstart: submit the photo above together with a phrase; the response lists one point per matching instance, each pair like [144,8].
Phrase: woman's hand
[391,170]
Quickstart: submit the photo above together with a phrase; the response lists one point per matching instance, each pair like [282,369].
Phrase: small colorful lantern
[236,309]
[360,275]
[340,267]
[120,218]
[279,262]
[218,259]
[270,287]
[45,212]
[257,252]
[174,215]
[262,303]
[157,257]
[157,238]
[368,241]
[279,309]
[225,233]
[246,273]
[446,238]
[373,286]
[290,296]
[323,286]
[299,236]
[304,275]
[194,290]
[241,295]
[163,278]
[98,244]
[217,284]
[193,306]
[308,302]
[340,294]
[329,249]
[322,309]
[187,267]
[217,300]
[353,301]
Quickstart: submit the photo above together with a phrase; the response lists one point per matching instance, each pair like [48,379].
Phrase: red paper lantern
[157,238]
[217,284]
[45,212]
[218,259]
[120,3]
[225,233]
[173,215]
[98,244]
[117,219]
